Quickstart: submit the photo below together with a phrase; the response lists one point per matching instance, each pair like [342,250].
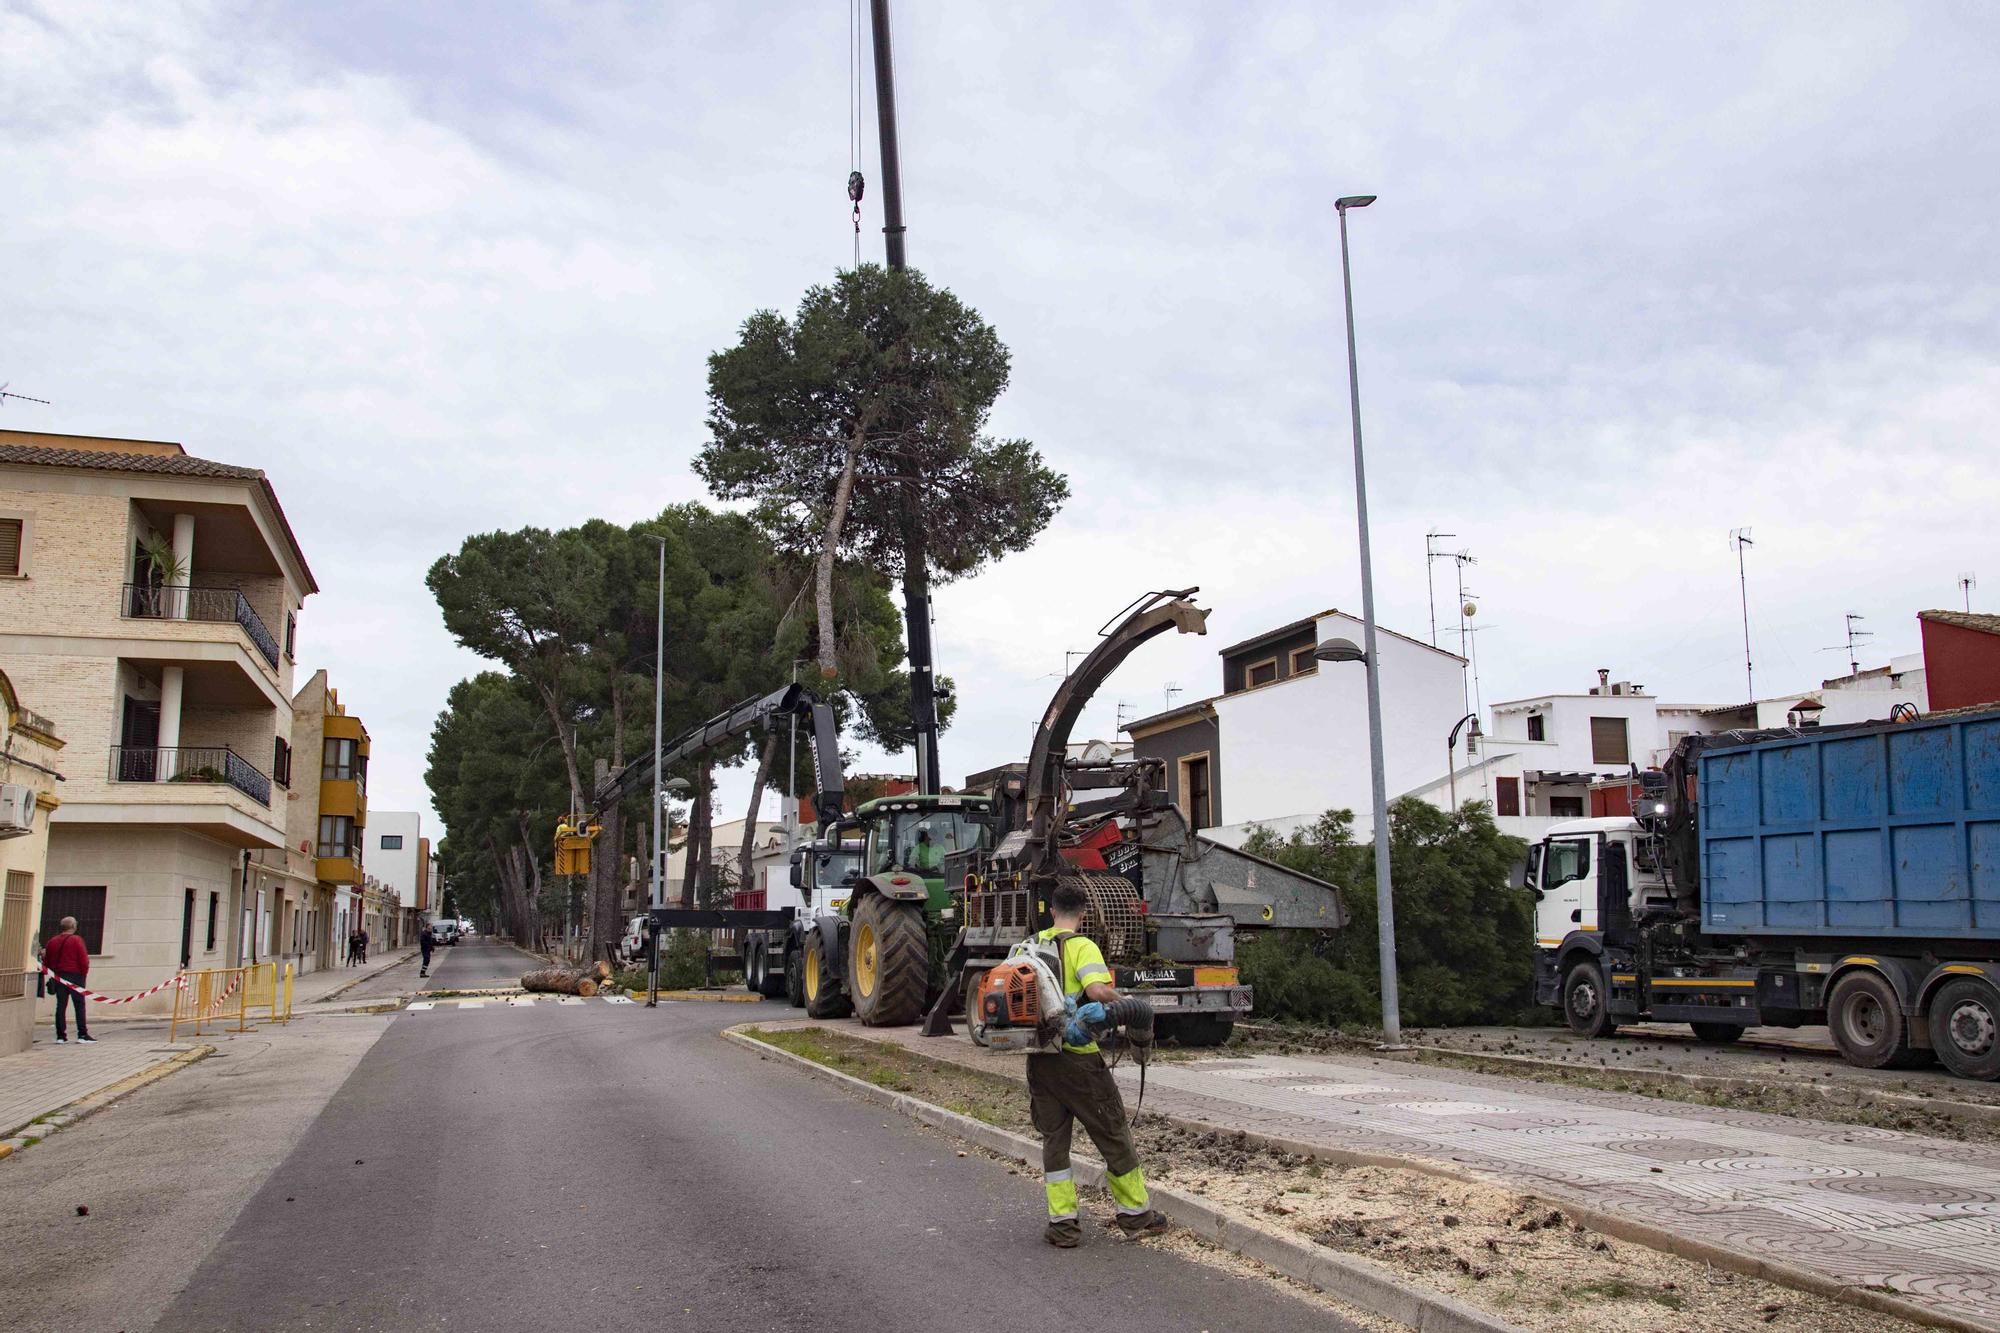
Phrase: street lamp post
[659,707]
[1451,752]
[1385,901]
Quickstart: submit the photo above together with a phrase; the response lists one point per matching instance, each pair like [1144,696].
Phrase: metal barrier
[218,994]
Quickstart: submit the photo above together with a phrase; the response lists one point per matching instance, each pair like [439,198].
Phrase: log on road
[566,980]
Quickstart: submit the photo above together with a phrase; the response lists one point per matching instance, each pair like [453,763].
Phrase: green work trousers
[1063,1088]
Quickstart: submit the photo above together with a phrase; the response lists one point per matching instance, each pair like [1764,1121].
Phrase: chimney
[1603,681]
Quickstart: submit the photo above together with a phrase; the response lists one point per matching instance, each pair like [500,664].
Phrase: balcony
[190,764]
[143,601]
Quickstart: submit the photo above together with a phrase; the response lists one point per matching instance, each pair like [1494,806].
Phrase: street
[510,1167]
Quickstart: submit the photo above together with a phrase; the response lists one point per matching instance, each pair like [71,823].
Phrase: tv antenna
[1173,688]
[1431,556]
[1966,583]
[4,396]
[1740,538]
[1853,659]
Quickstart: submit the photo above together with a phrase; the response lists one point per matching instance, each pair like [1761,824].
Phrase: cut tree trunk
[567,980]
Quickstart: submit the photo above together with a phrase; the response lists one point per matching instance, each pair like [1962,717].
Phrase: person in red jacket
[69,958]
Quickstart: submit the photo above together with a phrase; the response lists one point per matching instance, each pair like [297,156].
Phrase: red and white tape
[92,995]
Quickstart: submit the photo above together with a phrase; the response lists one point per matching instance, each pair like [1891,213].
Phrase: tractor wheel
[823,995]
[1865,1020]
[795,978]
[888,962]
[975,1026]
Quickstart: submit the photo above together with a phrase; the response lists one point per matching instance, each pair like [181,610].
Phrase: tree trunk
[566,980]
[607,869]
[566,738]
[744,854]
[923,665]
[697,838]
[836,521]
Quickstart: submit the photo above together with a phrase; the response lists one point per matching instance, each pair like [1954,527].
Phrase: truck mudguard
[831,955]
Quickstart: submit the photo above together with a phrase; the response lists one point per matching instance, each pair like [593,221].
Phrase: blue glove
[1076,1034]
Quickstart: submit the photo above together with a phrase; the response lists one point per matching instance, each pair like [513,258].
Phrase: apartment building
[399,856]
[30,767]
[327,824]
[150,608]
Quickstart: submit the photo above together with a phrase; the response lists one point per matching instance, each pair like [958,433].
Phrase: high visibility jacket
[1082,965]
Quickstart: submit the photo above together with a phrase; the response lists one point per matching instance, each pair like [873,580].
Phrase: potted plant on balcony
[206,773]
[162,568]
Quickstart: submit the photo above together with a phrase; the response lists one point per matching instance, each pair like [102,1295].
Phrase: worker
[1073,1084]
[925,856]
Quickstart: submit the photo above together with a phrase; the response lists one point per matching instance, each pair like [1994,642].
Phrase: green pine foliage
[1464,939]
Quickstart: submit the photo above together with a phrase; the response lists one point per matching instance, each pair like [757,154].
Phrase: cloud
[1629,285]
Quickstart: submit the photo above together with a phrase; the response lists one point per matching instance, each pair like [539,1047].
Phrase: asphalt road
[603,1165]
[472,965]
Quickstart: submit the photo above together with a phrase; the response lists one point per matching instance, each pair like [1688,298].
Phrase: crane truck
[1845,875]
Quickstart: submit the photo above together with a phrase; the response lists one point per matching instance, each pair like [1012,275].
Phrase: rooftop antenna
[1431,556]
[1124,707]
[1966,583]
[1853,660]
[4,396]
[1740,538]
[1173,688]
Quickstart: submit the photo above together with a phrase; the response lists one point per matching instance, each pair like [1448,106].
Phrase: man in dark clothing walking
[363,937]
[69,958]
[426,941]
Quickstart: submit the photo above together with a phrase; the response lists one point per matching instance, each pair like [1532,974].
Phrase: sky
[1636,278]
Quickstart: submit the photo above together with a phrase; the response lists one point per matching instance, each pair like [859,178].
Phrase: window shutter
[10,545]
[1506,796]
[1607,741]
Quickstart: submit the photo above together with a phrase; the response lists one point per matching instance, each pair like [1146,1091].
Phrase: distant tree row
[857,431]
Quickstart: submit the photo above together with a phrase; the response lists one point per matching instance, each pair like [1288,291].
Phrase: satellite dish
[1469,610]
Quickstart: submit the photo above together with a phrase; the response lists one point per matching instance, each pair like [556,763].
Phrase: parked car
[632,945]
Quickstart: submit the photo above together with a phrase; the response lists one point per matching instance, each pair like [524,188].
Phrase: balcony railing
[145,601]
[197,764]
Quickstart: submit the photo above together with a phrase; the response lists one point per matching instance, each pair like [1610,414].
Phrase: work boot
[1149,1223]
[1064,1235]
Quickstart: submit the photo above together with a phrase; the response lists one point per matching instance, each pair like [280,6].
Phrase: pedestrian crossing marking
[423,1004]
[515,1002]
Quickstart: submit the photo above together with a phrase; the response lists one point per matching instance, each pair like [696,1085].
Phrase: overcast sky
[1638,276]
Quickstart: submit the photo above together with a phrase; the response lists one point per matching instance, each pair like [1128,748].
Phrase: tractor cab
[907,839]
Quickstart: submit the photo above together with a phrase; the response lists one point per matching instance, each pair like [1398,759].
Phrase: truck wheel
[753,967]
[823,996]
[975,1026]
[1716,1034]
[795,979]
[888,961]
[1587,1002]
[1866,1022]
[769,986]
[1964,1016]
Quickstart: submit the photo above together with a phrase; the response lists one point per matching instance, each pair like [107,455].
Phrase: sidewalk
[328,982]
[1859,1206]
[47,1077]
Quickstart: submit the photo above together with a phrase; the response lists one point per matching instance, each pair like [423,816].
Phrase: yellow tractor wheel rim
[812,974]
[864,960]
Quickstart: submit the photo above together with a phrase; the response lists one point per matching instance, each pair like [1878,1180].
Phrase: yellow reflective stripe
[1128,1191]
[1965,967]
[1684,981]
[1092,970]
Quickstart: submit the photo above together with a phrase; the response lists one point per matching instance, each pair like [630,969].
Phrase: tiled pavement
[1861,1206]
[48,1077]
[1867,1207]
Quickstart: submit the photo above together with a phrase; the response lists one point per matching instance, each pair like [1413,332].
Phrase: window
[1565,860]
[338,762]
[1565,807]
[392,842]
[214,916]
[14,934]
[1506,796]
[1261,673]
[336,835]
[1607,741]
[1303,662]
[291,633]
[919,840]
[1538,728]
[10,546]
[86,905]
[281,762]
[1197,801]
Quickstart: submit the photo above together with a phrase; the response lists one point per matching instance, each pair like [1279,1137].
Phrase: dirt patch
[1517,1256]
[1593,1069]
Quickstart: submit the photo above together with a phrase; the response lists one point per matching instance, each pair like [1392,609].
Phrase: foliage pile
[1464,939]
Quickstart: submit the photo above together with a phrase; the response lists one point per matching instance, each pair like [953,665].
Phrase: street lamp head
[1354,201]
[1340,650]
[674,786]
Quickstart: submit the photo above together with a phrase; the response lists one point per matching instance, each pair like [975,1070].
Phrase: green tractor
[878,940]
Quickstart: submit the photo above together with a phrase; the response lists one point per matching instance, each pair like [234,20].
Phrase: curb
[1611,1224]
[1356,1281]
[91,1103]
